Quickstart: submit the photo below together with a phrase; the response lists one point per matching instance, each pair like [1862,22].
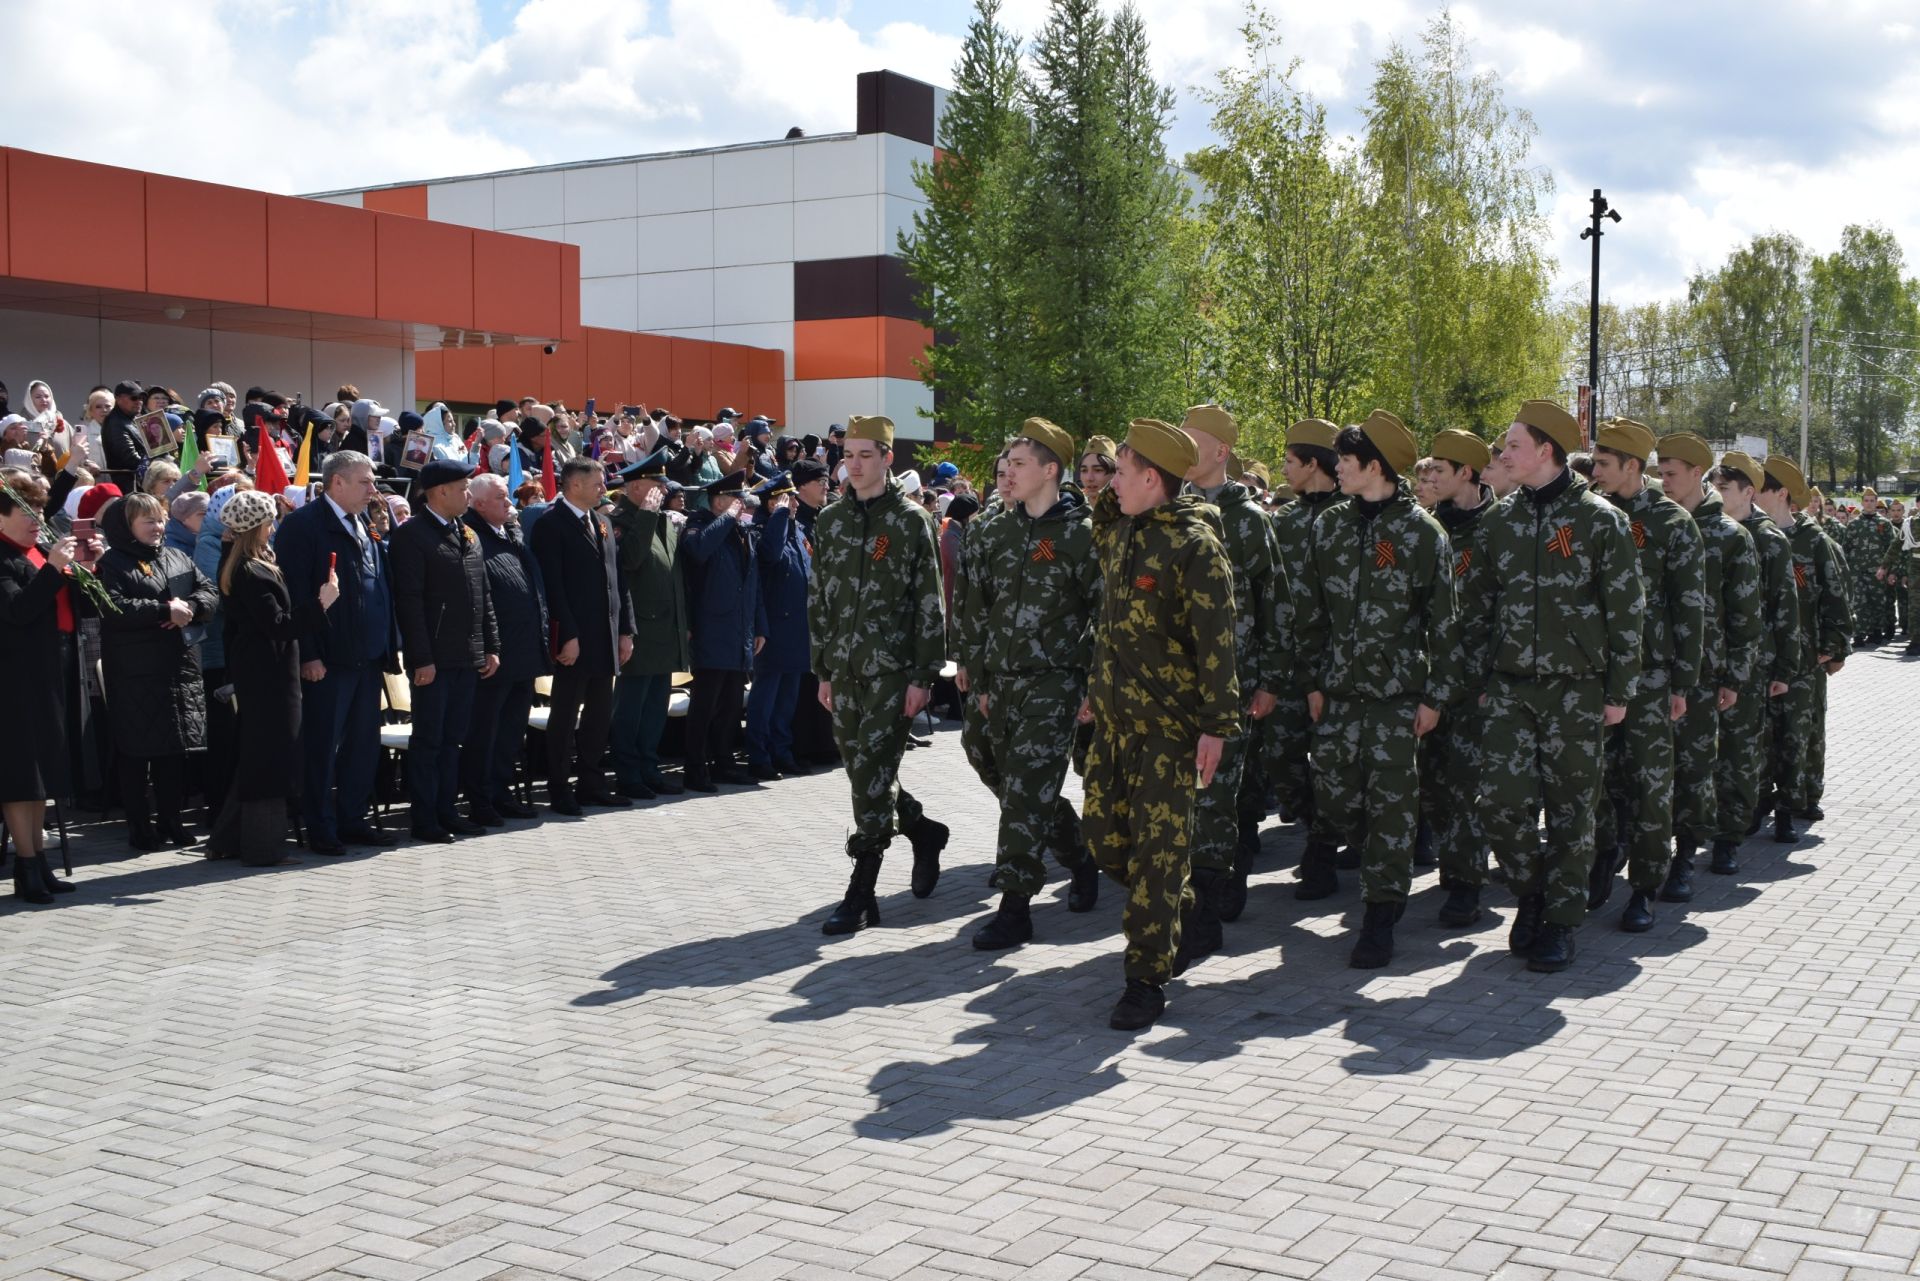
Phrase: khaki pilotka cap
[1790,479]
[1685,447]
[1734,460]
[1462,447]
[1312,433]
[1163,445]
[1559,426]
[1215,422]
[1042,432]
[1390,436]
[878,429]
[1260,473]
[1101,446]
[1625,436]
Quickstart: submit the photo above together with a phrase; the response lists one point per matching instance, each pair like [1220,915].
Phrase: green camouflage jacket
[1564,597]
[1466,533]
[1673,577]
[963,639]
[1867,541]
[1819,576]
[1163,643]
[1261,608]
[1779,600]
[1033,584]
[1733,623]
[875,606]
[1898,558]
[1380,582]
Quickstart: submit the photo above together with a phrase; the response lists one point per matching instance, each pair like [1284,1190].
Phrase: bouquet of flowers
[85,579]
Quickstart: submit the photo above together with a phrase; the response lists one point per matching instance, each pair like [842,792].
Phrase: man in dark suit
[592,622]
[497,730]
[449,636]
[341,660]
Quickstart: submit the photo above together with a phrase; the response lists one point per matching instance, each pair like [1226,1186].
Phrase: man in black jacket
[592,622]
[450,639]
[497,730]
[126,450]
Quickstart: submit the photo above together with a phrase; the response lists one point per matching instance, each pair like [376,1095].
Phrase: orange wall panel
[569,292]
[516,372]
[320,257]
[517,283]
[837,348]
[429,376]
[466,373]
[563,375]
[610,367]
[693,378]
[652,378]
[766,366]
[410,201]
[4,153]
[732,380]
[206,241]
[902,343]
[74,222]
[770,398]
[426,271]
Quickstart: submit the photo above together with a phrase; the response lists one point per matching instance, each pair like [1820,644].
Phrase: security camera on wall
[548,349]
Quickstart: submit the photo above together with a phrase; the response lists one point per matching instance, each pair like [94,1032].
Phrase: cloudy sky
[1705,120]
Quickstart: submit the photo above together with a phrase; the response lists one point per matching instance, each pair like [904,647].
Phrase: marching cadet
[1868,539]
[1826,638]
[1310,465]
[964,639]
[1562,609]
[1378,637]
[1162,697]
[1450,767]
[1902,566]
[1033,583]
[1730,647]
[1226,818]
[1639,765]
[876,622]
[1816,758]
[1741,768]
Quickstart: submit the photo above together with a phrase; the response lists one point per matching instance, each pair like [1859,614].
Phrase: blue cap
[945,471]
[778,483]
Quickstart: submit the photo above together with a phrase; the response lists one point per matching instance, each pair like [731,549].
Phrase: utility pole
[1601,212]
[1806,385]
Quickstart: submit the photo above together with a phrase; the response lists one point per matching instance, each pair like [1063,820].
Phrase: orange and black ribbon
[1800,576]
[1043,550]
[1639,534]
[1145,583]
[1466,562]
[1562,542]
[1383,555]
[880,547]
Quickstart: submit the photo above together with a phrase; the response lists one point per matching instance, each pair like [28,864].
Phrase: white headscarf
[46,418]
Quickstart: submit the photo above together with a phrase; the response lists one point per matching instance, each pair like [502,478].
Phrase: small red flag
[548,485]
[269,473]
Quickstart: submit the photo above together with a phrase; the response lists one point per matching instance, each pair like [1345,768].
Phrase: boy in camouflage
[968,676]
[1730,640]
[1558,621]
[1309,465]
[1378,635]
[1032,587]
[1868,539]
[1637,821]
[1162,697]
[877,620]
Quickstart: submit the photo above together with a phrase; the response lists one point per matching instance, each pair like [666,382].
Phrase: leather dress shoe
[605,800]
[375,836]
[462,826]
[666,786]
[433,836]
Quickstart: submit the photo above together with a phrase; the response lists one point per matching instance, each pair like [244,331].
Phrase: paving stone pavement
[620,1047]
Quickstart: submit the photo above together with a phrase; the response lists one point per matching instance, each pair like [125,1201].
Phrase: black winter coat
[587,597]
[33,757]
[519,603]
[126,450]
[440,594]
[156,703]
[262,631]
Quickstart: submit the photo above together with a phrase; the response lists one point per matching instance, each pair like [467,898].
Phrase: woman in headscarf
[209,549]
[156,701]
[445,430]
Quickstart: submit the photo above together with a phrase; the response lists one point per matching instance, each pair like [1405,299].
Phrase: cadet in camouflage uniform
[1741,772]
[1309,465]
[1826,638]
[1817,735]
[1378,635]
[1162,696]
[968,674]
[1558,621]
[1450,766]
[1637,821]
[1866,542]
[1032,587]
[1221,859]
[1731,639]
[1902,566]
[877,619]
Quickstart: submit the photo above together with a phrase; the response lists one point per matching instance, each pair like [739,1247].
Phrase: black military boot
[1374,948]
[1679,886]
[1552,950]
[928,838]
[1233,887]
[1138,1007]
[1200,932]
[1084,893]
[1010,926]
[859,908]
[1783,826]
[1423,851]
[1638,918]
[1317,879]
[1462,906]
[1811,814]
[1350,856]
[1724,863]
[1526,924]
[1607,861]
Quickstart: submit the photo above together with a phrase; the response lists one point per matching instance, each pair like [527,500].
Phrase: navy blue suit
[786,566]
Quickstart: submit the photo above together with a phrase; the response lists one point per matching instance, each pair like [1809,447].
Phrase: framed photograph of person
[158,436]
[418,451]
[223,450]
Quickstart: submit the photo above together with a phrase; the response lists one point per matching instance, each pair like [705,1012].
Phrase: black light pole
[1601,212]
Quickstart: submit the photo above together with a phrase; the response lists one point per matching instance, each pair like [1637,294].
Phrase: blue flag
[513,470]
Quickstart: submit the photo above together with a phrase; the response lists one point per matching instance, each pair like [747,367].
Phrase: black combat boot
[1462,906]
[1724,863]
[1526,924]
[1317,879]
[1010,926]
[1600,877]
[27,886]
[1423,851]
[1783,826]
[1638,918]
[1811,814]
[1374,948]
[1085,890]
[1679,886]
[1233,889]
[1138,1007]
[928,838]
[859,908]
[1350,857]
[1552,950]
[1200,932]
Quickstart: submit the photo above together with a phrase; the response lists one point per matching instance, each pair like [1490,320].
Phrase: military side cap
[878,428]
[1042,432]
[1390,436]
[1462,447]
[774,486]
[1869,492]
[734,482]
[1162,444]
[1625,436]
[1260,473]
[1215,422]
[1101,445]
[442,471]
[1559,426]
[1684,446]
[1791,479]
[654,464]
[1734,460]
[1312,433]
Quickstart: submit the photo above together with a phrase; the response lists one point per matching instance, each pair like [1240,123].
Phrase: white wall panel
[61,351]
[606,248]
[384,373]
[466,204]
[172,355]
[675,242]
[896,219]
[845,228]
[836,167]
[675,184]
[598,192]
[761,176]
[675,300]
[528,200]
[819,402]
[753,295]
[903,401]
[607,302]
[898,156]
[753,233]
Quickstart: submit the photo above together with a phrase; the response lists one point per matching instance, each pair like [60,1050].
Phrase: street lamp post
[1601,212]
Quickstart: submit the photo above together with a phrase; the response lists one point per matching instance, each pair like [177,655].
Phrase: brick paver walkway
[620,1047]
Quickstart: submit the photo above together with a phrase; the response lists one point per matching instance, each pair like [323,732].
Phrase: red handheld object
[333,562]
